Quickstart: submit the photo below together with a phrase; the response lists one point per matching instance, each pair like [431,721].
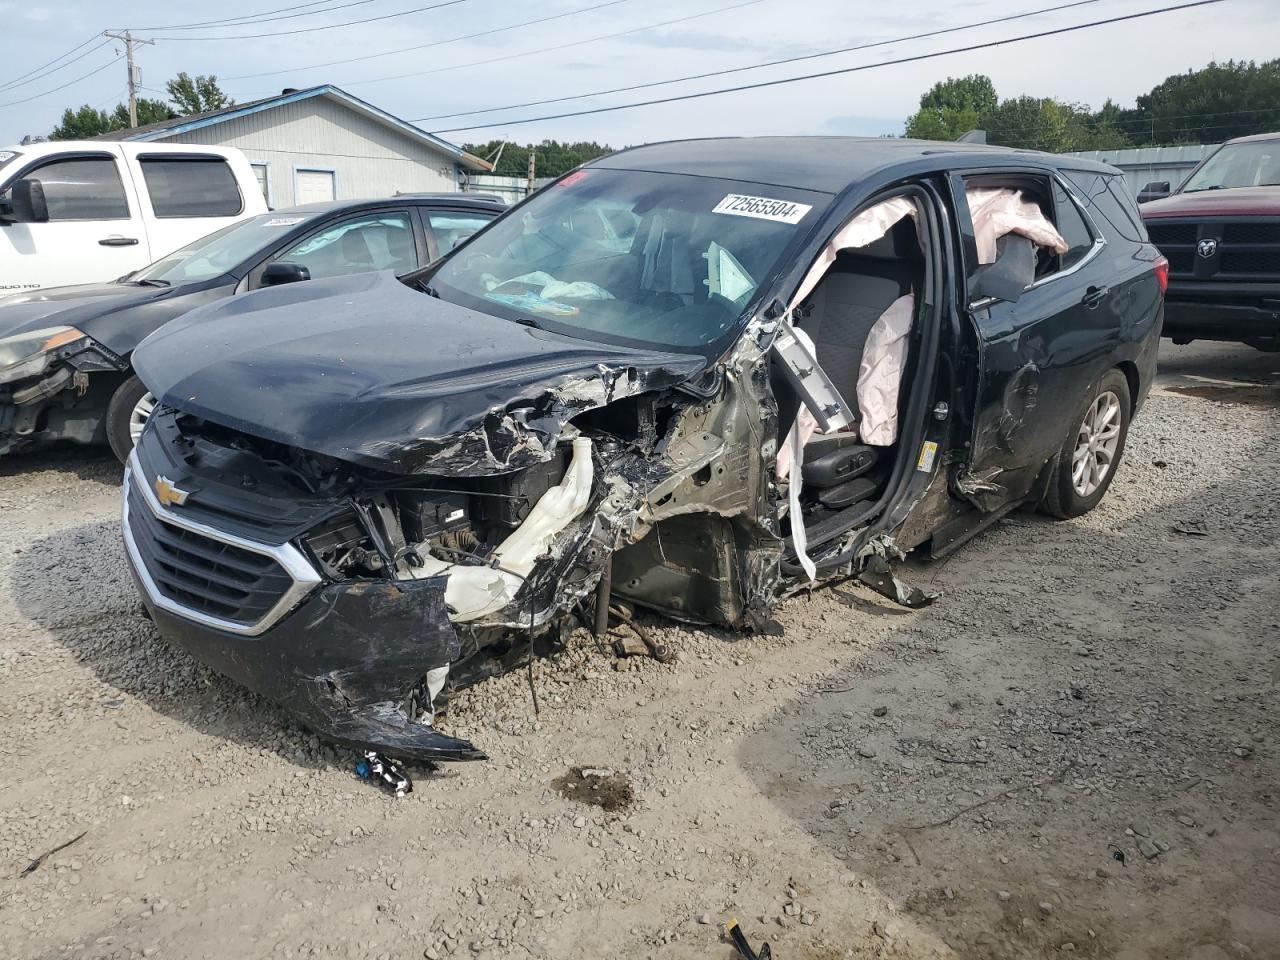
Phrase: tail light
[1161,269]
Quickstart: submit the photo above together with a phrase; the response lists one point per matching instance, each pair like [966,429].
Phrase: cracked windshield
[627,256]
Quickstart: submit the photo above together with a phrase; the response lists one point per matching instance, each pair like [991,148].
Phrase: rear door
[95,229]
[1037,356]
[185,196]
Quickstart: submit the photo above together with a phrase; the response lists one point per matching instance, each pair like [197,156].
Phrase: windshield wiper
[527,322]
[152,283]
[1216,186]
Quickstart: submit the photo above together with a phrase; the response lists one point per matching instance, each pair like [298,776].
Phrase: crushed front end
[358,598]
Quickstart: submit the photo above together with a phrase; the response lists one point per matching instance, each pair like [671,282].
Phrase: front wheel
[127,413]
[1087,463]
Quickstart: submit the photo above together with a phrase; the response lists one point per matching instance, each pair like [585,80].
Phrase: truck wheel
[127,414]
[1088,460]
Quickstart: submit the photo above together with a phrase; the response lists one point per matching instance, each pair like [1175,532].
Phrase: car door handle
[1094,296]
[118,242]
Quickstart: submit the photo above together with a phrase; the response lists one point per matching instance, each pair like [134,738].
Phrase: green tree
[553,157]
[82,124]
[87,122]
[1042,123]
[952,107]
[190,95]
[1209,105]
[196,94]
[149,111]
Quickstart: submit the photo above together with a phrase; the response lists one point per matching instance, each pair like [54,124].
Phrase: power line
[328,26]
[761,66]
[843,70]
[1139,122]
[1032,143]
[434,43]
[114,60]
[558,46]
[19,80]
[256,18]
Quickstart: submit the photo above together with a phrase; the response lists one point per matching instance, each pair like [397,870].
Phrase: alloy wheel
[139,415]
[1096,444]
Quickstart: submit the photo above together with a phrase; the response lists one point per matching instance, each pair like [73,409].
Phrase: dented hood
[364,369]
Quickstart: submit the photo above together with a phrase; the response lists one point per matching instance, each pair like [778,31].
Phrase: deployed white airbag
[880,374]
[474,592]
[999,211]
[864,229]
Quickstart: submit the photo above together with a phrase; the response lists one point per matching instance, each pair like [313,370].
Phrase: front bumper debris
[343,658]
[342,663]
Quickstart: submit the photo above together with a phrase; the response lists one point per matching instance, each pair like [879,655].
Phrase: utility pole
[528,187]
[135,72]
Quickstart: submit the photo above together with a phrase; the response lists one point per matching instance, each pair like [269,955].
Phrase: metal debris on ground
[739,940]
[647,646]
[880,577]
[1192,528]
[388,772]
[34,865]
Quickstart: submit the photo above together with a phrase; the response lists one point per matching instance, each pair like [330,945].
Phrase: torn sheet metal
[314,371]
[878,575]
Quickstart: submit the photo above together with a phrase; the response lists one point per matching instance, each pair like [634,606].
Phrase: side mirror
[26,203]
[1154,191]
[282,272]
[1008,278]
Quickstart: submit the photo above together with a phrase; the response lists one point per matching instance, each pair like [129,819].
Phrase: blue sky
[446,75]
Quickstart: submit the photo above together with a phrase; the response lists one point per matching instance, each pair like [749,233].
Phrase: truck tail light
[1161,269]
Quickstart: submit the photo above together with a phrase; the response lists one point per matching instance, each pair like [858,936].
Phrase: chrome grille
[206,575]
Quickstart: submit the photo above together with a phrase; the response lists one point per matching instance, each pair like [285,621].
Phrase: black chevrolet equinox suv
[694,377]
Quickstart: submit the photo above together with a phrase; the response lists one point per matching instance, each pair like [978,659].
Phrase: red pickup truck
[1220,231]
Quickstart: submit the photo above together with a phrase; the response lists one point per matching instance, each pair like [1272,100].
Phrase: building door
[314,186]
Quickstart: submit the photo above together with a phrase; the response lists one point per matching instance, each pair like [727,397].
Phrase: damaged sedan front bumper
[341,657]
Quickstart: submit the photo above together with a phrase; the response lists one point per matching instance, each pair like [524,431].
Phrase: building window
[314,186]
[262,173]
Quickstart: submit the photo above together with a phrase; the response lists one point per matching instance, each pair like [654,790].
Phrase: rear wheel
[127,413]
[1088,460]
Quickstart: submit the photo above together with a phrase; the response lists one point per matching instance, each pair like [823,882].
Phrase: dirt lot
[959,781]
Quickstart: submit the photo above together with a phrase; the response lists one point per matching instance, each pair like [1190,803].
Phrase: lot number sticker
[762,208]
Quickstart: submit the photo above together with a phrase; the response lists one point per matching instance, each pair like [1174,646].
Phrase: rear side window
[1072,226]
[1109,200]
[195,187]
[1118,192]
[82,188]
[451,227]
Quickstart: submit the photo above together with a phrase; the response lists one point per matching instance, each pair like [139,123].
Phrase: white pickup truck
[89,211]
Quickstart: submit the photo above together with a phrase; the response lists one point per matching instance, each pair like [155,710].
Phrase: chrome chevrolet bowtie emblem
[168,494]
[1207,248]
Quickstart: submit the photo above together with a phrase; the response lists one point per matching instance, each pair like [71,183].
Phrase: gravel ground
[1073,752]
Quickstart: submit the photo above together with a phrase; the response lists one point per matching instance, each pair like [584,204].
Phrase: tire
[1085,466]
[127,412]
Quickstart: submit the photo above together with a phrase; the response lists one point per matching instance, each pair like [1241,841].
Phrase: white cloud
[1119,61]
